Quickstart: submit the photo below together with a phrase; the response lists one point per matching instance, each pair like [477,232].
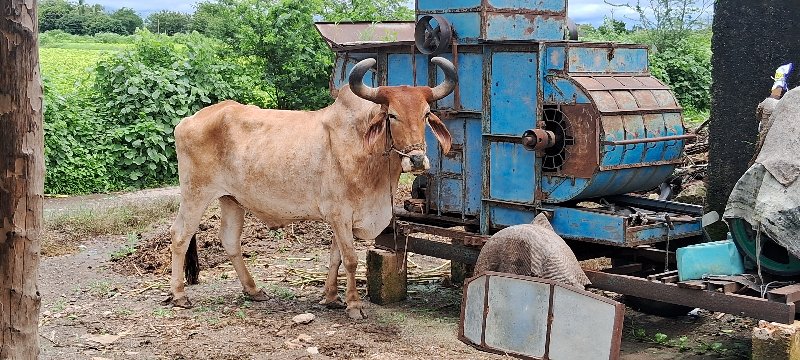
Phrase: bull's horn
[356,80]
[450,78]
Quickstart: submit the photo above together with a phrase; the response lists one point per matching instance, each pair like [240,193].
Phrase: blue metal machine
[539,122]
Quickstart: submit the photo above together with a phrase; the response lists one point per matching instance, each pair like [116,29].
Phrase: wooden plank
[724,286]
[693,285]
[786,294]
[659,276]
[714,301]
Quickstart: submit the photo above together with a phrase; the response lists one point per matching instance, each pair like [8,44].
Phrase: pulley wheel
[432,34]
[775,259]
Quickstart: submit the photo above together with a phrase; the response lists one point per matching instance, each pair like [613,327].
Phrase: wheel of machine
[775,259]
[432,39]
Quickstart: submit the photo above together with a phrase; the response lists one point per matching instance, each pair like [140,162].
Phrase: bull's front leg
[331,297]
[343,235]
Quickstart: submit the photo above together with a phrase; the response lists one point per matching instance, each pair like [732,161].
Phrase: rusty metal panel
[555,6]
[469,85]
[517,315]
[582,157]
[513,92]
[597,330]
[606,59]
[511,172]
[536,318]
[448,5]
[341,36]
[511,26]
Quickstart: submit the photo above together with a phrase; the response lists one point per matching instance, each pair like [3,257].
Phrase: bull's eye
[392,117]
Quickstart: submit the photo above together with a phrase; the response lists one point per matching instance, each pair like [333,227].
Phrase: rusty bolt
[538,139]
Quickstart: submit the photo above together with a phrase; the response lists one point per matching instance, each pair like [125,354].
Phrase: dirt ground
[96,308]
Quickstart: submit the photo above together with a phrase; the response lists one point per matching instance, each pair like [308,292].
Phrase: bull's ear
[440,131]
[375,128]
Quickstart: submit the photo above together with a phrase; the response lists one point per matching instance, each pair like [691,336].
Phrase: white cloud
[146,7]
[594,11]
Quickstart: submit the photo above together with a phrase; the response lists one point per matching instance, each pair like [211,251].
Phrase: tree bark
[21,179]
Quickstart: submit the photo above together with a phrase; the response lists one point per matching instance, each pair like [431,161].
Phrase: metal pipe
[650,140]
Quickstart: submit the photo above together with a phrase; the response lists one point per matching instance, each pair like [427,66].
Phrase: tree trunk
[21,179]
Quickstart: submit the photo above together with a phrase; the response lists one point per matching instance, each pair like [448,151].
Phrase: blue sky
[582,11]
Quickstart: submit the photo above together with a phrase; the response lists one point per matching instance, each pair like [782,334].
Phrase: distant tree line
[85,19]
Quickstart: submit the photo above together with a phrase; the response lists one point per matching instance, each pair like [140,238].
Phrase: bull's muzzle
[416,162]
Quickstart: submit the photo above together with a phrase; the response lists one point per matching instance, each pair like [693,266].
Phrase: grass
[61,230]
[163,313]
[126,250]
[121,220]
[281,292]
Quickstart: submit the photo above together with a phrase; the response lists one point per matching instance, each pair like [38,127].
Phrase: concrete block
[775,341]
[386,276]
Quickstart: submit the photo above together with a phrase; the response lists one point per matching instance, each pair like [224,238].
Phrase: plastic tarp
[769,192]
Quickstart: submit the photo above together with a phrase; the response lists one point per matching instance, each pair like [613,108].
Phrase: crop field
[67,69]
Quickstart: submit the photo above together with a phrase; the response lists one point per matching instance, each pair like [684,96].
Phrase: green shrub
[150,88]
[76,150]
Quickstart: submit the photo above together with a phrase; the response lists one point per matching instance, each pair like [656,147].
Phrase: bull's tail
[191,266]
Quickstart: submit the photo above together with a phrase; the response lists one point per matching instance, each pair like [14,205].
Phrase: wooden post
[21,179]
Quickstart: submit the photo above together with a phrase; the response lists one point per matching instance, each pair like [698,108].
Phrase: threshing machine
[540,122]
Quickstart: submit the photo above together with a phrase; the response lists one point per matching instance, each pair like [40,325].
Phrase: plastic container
[713,258]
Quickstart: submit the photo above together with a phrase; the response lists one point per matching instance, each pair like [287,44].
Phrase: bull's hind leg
[186,223]
[230,232]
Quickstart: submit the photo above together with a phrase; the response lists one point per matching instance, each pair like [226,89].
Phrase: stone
[776,341]
[303,318]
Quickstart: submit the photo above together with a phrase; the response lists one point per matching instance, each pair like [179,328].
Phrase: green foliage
[168,22]
[129,20]
[667,22]
[149,88]
[83,19]
[366,10]
[684,65]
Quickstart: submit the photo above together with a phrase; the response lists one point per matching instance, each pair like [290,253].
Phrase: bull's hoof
[356,313]
[182,302]
[333,304]
[261,295]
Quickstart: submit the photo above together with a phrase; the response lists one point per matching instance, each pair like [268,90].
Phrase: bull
[285,166]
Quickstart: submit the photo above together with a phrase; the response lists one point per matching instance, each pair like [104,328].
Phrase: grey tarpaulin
[532,250]
[769,193]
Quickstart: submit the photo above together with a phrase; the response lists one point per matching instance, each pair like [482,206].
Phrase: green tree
[366,10]
[103,23]
[73,23]
[51,12]
[129,19]
[168,22]
[668,21]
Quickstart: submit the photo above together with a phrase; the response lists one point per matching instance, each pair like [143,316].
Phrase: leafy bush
[76,150]
[150,88]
